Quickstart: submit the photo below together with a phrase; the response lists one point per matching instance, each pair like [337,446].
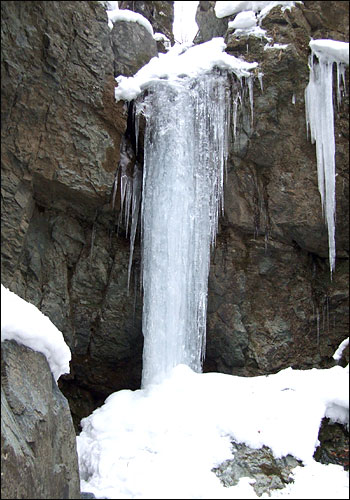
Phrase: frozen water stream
[185,155]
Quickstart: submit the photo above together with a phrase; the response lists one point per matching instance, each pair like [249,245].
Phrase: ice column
[184,163]
[320,122]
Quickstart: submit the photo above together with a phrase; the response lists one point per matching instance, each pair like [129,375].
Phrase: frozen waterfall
[185,97]
[185,154]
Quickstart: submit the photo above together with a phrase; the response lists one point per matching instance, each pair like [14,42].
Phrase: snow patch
[128,16]
[224,9]
[182,61]
[24,323]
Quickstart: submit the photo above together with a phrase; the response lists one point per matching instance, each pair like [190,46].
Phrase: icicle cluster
[130,197]
[186,147]
[320,122]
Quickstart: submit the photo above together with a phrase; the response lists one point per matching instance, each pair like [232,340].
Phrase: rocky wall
[64,248]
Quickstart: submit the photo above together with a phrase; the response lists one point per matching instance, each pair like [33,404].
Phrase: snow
[24,323]
[245,19]
[339,352]
[330,50]
[249,16]
[224,8]
[254,31]
[163,441]
[320,122]
[117,14]
[181,61]
[276,46]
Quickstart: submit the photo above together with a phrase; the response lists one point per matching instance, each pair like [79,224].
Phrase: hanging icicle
[320,122]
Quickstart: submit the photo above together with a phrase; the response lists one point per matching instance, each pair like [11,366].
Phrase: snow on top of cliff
[181,61]
[24,323]
[330,50]
[128,15]
[224,9]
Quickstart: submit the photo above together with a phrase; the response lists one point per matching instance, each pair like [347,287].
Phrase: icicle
[260,78]
[135,209]
[251,97]
[340,81]
[115,187]
[320,122]
[235,107]
[136,117]
[293,99]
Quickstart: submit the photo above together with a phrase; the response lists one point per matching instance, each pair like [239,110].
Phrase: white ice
[320,122]
[185,155]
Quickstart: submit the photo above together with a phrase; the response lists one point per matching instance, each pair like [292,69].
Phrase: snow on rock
[276,46]
[330,50]
[181,61]
[243,20]
[339,352]
[24,323]
[224,9]
[129,16]
[254,31]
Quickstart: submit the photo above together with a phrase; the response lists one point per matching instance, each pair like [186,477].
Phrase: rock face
[209,25]
[38,447]
[133,46]
[61,136]
[64,248]
[271,301]
[159,14]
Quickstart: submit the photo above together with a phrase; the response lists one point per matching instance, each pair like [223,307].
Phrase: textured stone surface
[38,447]
[268,472]
[159,14]
[334,444]
[133,47]
[271,301]
[209,26]
[61,135]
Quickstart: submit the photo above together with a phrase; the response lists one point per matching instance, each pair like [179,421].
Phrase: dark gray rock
[209,25]
[133,47]
[333,445]
[159,14]
[38,447]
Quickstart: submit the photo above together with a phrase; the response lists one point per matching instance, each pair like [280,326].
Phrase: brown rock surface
[271,301]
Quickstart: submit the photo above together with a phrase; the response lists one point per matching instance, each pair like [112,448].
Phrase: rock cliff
[38,448]
[271,301]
